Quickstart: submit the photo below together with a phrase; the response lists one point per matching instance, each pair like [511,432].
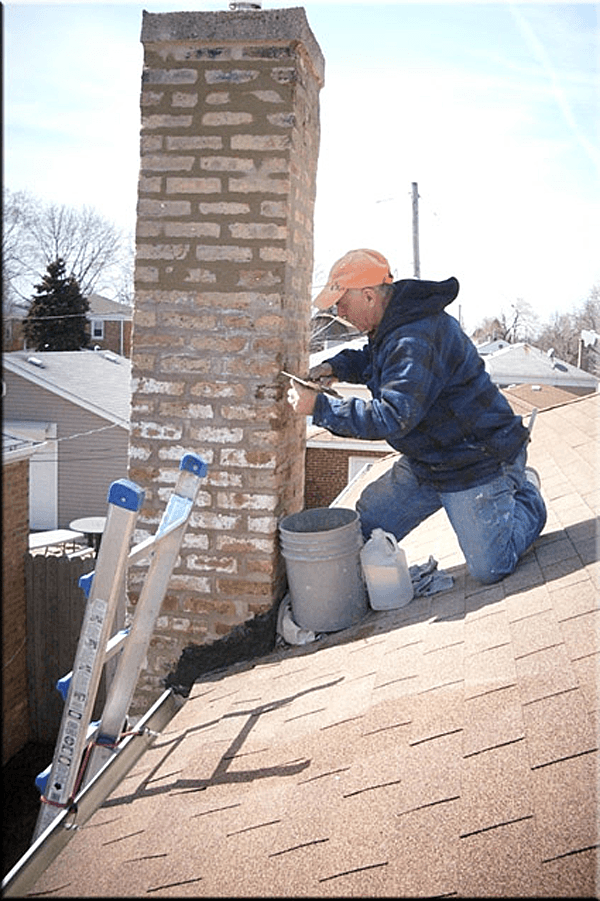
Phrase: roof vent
[35,361]
[109,356]
[241,6]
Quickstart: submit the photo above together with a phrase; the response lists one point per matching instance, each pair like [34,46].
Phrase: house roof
[524,398]
[489,347]
[100,306]
[99,381]
[104,308]
[448,747]
[14,447]
[519,363]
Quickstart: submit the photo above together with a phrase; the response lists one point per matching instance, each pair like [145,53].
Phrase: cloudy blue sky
[492,108]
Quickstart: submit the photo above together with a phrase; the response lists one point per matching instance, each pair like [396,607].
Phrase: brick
[192,229]
[216,97]
[165,162]
[193,142]
[224,209]
[162,121]
[169,76]
[164,208]
[184,100]
[226,119]
[232,76]
[223,252]
[260,142]
[162,251]
[193,185]
[226,164]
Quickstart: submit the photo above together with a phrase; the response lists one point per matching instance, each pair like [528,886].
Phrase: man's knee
[488,572]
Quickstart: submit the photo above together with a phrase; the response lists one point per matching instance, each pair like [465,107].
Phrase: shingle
[557,727]
[492,720]
[581,634]
[544,673]
[490,631]
[566,805]
[495,788]
[429,837]
[503,856]
[535,632]
[489,670]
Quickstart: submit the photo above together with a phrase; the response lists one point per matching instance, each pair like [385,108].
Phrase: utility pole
[415,222]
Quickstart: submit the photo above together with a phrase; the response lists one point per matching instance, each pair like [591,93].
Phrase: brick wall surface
[229,146]
[326,473]
[15,535]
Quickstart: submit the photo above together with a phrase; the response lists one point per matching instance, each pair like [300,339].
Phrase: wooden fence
[55,608]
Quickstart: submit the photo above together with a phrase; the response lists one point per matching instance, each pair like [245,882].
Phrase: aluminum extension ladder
[82,748]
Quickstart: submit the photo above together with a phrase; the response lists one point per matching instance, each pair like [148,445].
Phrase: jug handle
[391,539]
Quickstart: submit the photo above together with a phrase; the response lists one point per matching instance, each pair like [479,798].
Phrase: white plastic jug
[386,572]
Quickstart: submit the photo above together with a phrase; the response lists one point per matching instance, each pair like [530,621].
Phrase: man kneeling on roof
[462,446]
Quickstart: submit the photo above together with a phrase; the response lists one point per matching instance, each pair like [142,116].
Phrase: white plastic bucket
[321,548]
[386,572]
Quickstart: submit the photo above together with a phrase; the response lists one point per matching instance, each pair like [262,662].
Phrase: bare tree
[94,250]
[520,324]
[563,333]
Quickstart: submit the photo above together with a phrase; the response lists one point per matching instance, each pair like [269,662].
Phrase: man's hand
[322,373]
[301,399]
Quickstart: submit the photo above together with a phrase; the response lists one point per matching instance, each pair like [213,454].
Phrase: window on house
[355,464]
[98,328]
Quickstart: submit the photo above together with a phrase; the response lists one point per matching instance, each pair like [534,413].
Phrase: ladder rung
[41,780]
[112,647]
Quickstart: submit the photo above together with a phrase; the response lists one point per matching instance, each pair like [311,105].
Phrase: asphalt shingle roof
[100,381]
[520,363]
[449,747]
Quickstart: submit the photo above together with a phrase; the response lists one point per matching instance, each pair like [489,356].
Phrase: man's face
[358,306]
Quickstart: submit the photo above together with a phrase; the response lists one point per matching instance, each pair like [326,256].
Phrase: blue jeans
[495,523]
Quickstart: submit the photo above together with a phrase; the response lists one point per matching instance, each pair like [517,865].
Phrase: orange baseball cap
[360,268]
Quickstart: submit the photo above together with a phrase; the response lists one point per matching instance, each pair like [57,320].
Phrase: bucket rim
[346,515]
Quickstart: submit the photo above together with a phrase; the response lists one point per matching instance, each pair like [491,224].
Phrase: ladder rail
[124,501]
[69,767]
[167,543]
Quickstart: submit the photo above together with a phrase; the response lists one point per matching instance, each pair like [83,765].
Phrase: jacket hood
[415,299]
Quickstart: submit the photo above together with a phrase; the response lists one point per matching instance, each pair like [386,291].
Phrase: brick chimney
[229,147]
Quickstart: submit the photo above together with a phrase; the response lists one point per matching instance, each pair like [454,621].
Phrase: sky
[491,109]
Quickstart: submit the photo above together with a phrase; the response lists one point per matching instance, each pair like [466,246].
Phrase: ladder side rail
[125,500]
[25,873]
[168,541]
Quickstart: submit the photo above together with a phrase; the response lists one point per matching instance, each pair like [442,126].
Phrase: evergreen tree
[57,317]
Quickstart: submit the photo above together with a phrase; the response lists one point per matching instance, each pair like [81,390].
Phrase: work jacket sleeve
[404,386]
[352,366]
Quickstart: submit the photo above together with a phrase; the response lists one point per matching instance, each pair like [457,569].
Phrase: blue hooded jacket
[432,398]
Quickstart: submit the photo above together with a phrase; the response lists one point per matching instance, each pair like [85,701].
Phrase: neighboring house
[490,347]
[327,330]
[77,403]
[110,325]
[332,462]
[16,455]
[520,364]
